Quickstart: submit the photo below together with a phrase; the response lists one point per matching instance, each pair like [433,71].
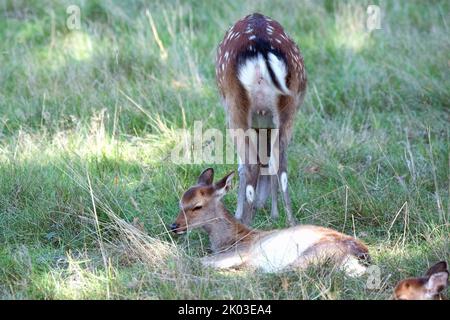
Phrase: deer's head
[198,205]
[428,287]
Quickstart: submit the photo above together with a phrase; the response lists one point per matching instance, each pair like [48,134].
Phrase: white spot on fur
[280,70]
[284,181]
[252,37]
[250,193]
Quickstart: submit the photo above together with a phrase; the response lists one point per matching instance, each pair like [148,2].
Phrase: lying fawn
[262,82]
[429,287]
[236,245]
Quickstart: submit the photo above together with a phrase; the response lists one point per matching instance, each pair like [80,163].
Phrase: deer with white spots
[262,81]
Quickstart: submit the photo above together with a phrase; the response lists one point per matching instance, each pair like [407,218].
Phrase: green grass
[90,117]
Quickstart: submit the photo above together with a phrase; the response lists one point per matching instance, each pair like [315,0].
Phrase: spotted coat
[243,36]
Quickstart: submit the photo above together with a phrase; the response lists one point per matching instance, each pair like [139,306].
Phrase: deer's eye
[197,208]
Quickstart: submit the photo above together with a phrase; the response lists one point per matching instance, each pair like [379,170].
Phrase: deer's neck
[226,232]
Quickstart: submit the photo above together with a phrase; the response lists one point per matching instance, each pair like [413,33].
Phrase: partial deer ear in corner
[437,282]
[224,185]
[206,177]
[441,266]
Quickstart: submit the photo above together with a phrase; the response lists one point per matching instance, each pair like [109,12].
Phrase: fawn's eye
[197,208]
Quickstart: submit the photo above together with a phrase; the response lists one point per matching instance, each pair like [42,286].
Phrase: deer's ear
[224,185]
[437,282]
[441,266]
[206,177]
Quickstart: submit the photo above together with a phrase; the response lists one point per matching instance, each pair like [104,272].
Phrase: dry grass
[88,120]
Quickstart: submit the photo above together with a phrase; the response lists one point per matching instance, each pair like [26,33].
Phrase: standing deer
[236,245]
[262,81]
[429,287]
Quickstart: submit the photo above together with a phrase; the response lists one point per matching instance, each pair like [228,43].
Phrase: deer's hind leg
[279,166]
[283,181]
[279,177]
[247,146]
[248,178]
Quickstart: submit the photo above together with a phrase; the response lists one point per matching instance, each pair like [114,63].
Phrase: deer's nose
[173,227]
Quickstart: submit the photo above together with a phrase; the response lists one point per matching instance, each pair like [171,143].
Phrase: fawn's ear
[206,177]
[223,185]
[441,266]
[437,282]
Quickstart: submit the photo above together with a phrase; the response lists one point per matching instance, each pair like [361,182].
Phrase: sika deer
[262,82]
[429,287]
[236,245]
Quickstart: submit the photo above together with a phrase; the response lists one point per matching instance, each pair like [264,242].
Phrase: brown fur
[420,288]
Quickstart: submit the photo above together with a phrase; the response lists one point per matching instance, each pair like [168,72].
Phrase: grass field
[88,119]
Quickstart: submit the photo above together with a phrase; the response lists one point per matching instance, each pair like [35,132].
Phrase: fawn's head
[428,287]
[198,204]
